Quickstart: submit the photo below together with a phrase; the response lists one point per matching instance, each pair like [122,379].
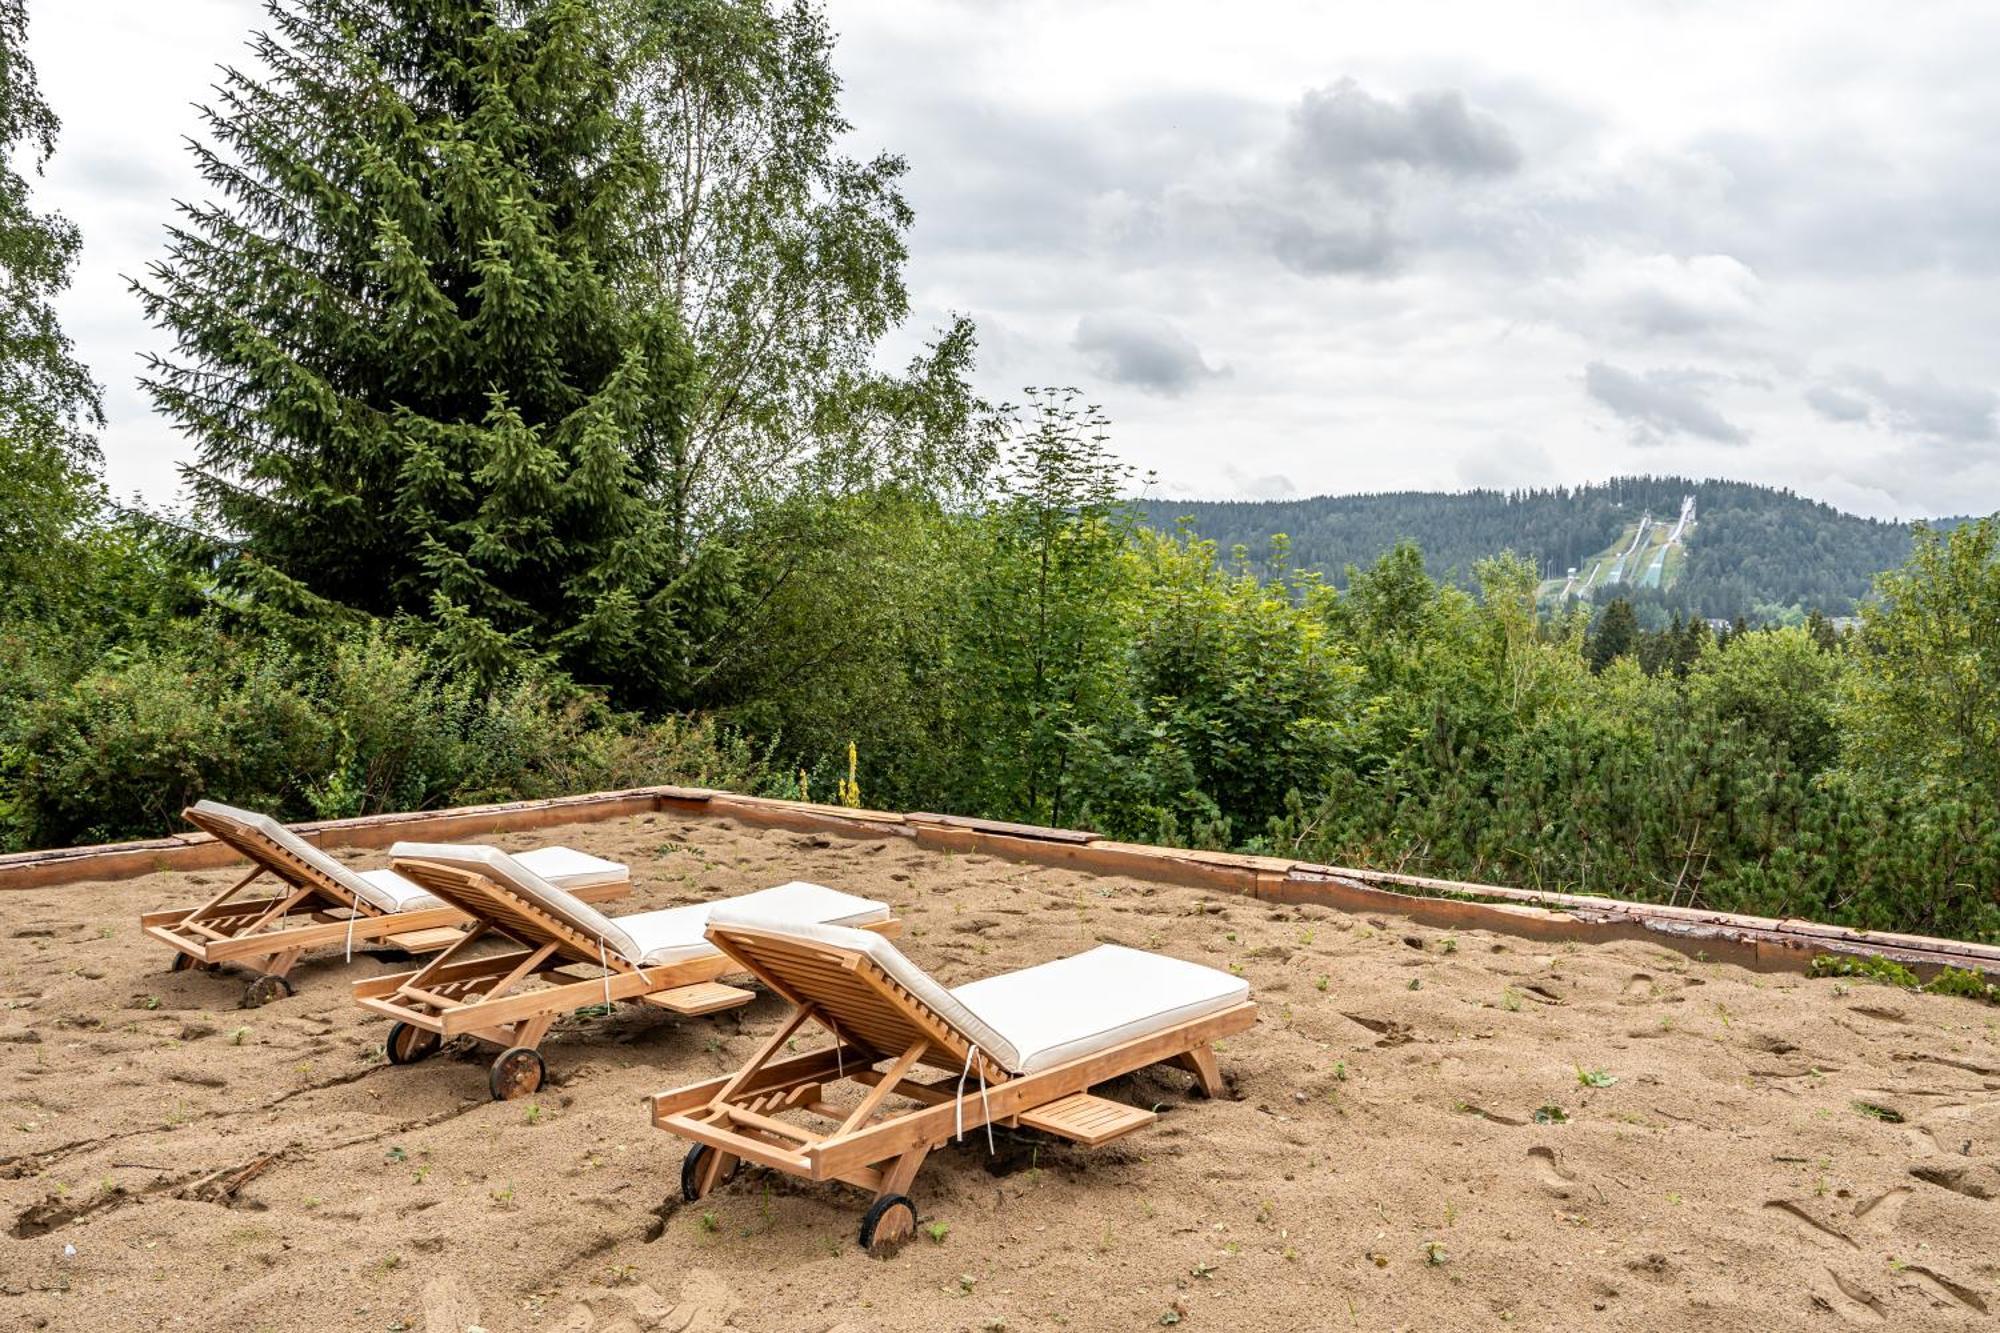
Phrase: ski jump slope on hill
[1640,558]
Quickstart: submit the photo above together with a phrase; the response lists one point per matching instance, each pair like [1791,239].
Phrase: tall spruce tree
[410,348]
[1616,634]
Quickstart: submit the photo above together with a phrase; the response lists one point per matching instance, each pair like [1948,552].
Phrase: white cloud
[1663,296]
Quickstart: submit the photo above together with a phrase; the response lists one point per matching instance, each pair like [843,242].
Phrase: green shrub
[1871,968]
[358,724]
[118,753]
[1963,982]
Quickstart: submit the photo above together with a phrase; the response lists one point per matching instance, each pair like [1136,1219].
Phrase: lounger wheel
[889,1219]
[264,989]
[409,1043]
[692,1168]
[516,1073]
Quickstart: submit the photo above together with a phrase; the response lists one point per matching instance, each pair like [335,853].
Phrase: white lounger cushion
[1040,1016]
[501,868]
[571,869]
[1060,1011]
[393,893]
[676,934]
[644,939]
[363,889]
[564,867]
[388,891]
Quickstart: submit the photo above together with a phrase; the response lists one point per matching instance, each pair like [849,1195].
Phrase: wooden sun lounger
[565,957]
[1062,1028]
[320,903]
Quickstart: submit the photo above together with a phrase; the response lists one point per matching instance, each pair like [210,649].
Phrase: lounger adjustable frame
[511,999]
[873,1145]
[269,933]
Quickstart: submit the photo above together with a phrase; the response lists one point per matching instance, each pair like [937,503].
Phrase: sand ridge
[1426,1130]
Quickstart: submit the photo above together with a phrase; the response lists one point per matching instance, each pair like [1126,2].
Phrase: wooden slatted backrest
[492,903]
[845,991]
[263,850]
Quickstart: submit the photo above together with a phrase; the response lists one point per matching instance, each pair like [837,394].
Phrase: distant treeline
[1756,549]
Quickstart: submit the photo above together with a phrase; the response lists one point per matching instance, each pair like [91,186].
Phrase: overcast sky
[1296,249]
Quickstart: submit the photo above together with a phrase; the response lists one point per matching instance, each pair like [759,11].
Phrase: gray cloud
[1926,406]
[1271,486]
[1834,405]
[1149,354]
[1318,244]
[1344,129]
[1341,181]
[1660,403]
[1008,179]
[1351,166]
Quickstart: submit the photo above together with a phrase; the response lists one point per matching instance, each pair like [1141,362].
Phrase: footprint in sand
[1391,1033]
[449,1306]
[1882,1212]
[1848,1299]
[1473,1108]
[1964,1295]
[705,1304]
[1798,1214]
[1640,989]
[1974,1182]
[1554,1176]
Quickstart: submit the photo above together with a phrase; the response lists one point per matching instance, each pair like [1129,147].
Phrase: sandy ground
[1384,1159]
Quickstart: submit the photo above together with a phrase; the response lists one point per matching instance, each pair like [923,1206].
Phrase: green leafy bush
[358,724]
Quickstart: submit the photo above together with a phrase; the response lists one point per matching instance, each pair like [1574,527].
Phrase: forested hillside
[1756,552]
[526,362]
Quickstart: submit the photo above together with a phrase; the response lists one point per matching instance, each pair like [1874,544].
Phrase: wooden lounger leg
[900,1174]
[529,1032]
[281,965]
[270,982]
[706,1168]
[1200,1061]
[893,1217]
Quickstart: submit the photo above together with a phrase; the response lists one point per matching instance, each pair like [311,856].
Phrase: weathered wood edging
[1763,942]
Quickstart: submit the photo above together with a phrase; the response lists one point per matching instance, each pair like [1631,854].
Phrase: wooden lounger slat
[777,1128]
[740,1145]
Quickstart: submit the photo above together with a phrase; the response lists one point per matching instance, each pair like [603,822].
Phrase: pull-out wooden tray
[1086,1119]
[704,997]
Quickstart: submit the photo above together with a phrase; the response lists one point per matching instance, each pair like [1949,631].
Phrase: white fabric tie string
[353,914]
[959,1105]
[604,962]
